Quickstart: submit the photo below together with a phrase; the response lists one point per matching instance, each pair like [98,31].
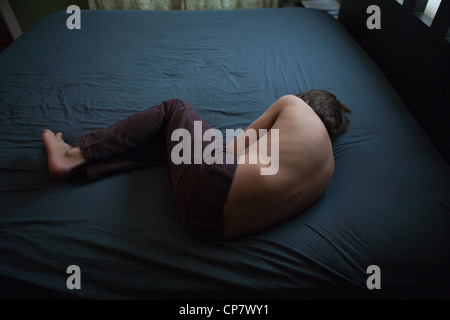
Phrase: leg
[200,190]
[135,141]
[64,160]
[138,139]
[141,139]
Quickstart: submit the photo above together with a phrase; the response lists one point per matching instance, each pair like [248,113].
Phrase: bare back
[306,165]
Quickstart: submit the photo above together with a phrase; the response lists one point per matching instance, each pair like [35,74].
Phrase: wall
[28,12]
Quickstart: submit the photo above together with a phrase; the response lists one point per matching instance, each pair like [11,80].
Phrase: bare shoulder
[290,98]
[303,150]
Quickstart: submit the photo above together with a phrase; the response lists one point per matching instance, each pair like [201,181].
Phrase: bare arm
[265,121]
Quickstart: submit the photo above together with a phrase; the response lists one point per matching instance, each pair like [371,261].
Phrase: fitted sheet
[386,205]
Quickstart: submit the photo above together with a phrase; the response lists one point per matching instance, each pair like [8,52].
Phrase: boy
[219,200]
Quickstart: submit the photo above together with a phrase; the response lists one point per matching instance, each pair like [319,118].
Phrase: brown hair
[329,109]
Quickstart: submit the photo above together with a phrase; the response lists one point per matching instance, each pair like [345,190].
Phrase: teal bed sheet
[387,203]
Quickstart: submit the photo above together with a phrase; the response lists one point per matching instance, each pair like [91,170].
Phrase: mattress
[387,204]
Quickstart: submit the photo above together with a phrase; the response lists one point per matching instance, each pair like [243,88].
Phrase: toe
[47,131]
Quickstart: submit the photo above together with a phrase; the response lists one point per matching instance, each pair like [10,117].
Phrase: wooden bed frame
[413,53]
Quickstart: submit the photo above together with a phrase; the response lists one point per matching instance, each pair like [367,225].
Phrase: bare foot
[63,159]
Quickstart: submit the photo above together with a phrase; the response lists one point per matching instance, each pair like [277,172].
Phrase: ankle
[75,154]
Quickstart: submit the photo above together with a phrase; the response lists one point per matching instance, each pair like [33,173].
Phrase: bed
[387,204]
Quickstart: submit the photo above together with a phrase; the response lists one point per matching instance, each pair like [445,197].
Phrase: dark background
[414,57]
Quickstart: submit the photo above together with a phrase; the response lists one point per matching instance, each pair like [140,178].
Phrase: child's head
[329,109]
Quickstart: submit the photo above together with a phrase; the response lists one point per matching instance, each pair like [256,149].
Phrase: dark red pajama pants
[144,139]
